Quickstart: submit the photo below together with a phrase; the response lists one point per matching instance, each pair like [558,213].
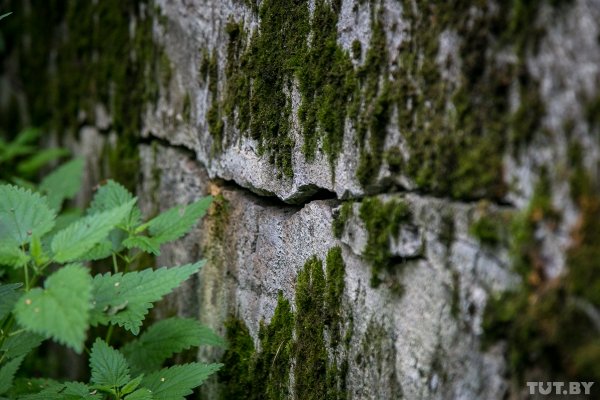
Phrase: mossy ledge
[456,129]
[306,343]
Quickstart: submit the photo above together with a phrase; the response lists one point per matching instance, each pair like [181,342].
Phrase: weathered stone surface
[417,344]
[454,156]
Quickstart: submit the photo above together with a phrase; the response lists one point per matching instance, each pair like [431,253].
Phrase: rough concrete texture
[481,121]
[410,344]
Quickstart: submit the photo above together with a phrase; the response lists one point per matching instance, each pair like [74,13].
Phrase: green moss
[592,112]
[487,229]
[293,342]
[462,127]
[545,322]
[326,85]
[395,159]
[272,365]
[579,181]
[525,121]
[371,123]
[382,221]
[236,376]
[342,217]
[356,49]
[261,70]
[335,270]
[209,72]
[311,368]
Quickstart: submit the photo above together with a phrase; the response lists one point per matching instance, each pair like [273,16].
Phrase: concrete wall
[406,192]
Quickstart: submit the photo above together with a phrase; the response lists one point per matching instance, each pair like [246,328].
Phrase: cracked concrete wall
[453,160]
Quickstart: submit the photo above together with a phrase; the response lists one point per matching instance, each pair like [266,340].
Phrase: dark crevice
[309,193]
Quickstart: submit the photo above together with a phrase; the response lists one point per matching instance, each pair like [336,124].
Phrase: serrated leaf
[79,237]
[112,244]
[177,221]
[63,183]
[164,339]
[176,382]
[12,256]
[39,159]
[61,309]
[100,251]
[37,251]
[23,213]
[144,243]
[52,393]
[20,344]
[132,385]
[26,386]
[140,394]
[20,145]
[111,195]
[78,390]
[109,367]
[7,373]
[136,290]
[8,297]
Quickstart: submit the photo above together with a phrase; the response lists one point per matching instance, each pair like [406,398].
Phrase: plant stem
[26,269]
[115,265]
[109,334]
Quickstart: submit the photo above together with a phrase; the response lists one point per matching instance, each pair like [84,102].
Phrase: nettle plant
[52,293]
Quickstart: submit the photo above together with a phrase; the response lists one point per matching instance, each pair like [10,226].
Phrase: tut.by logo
[563,388]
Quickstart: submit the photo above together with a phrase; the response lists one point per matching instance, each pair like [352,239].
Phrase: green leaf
[37,251]
[132,385]
[51,393]
[22,213]
[109,367]
[21,145]
[61,309]
[8,298]
[144,243]
[78,390]
[20,344]
[39,159]
[111,195]
[125,299]
[100,251]
[140,394]
[63,183]
[12,256]
[176,382]
[177,221]
[7,374]
[79,237]
[53,390]
[5,15]
[165,338]
[26,386]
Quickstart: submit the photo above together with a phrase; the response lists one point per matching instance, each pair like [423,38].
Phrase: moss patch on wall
[305,342]
[382,221]
[456,130]
[551,325]
[341,218]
